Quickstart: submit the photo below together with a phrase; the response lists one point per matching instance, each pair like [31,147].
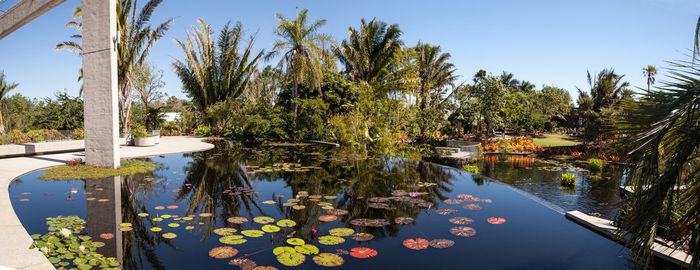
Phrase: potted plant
[142,137]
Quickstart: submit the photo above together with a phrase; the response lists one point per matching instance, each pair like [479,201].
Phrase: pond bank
[15,241]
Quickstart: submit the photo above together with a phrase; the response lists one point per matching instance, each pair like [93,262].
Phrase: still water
[233,180]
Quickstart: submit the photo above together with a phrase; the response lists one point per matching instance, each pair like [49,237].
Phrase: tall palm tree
[434,71]
[367,53]
[75,46]
[300,44]
[215,70]
[136,38]
[509,81]
[604,95]
[649,72]
[5,87]
[526,86]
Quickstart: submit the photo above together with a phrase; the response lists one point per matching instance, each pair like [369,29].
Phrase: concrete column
[100,83]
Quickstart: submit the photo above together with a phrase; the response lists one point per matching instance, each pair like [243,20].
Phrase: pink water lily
[413,194]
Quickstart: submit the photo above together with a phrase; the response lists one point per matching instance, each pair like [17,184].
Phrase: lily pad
[165,216]
[252,233]
[442,243]
[446,211]
[378,199]
[496,220]
[337,212]
[378,205]
[327,218]
[169,235]
[307,249]
[270,228]
[286,223]
[265,268]
[363,236]
[461,220]
[453,201]
[299,207]
[187,218]
[126,229]
[280,250]
[416,244]
[403,220]
[157,219]
[263,220]
[222,252]
[156,229]
[225,231]
[328,259]
[232,240]
[341,232]
[330,197]
[365,222]
[107,236]
[205,214]
[173,225]
[330,240]
[244,264]
[237,220]
[159,207]
[295,241]
[125,224]
[291,259]
[142,214]
[472,206]
[172,206]
[486,201]
[463,231]
[189,228]
[363,252]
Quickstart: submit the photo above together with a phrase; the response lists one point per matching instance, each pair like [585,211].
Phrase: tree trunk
[295,93]
[2,125]
[124,107]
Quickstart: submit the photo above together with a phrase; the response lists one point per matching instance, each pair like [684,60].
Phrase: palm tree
[433,70]
[368,52]
[74,46]
[649,72]
[526,86]
[302,56]
[5,87]
[215,70]
[606,92]
[508,80]
[136,38]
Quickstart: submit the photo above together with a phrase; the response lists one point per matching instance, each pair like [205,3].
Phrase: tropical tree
[147,82]
[434,71]
[649,72]
[604,95]
[215,70]
[508,80]
[369,51]
[75,46]
[300,44]
[136,38]
[5,87]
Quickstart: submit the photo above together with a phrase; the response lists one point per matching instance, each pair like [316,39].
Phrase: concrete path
[14,239]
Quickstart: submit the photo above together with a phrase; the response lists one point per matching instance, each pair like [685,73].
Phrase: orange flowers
[510,145]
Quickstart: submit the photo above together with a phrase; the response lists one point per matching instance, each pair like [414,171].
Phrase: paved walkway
[14,239]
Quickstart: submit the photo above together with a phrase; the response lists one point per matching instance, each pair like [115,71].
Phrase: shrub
[595,164]
[32,136]
[139,131]
[78,134]
[568,180]
[471,168]
[74,162]
[202,131]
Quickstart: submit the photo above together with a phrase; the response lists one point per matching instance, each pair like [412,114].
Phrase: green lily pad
[189,228]
[330,240]
[225,231]
[280,250]
[263,220]
[252,233]
[165,216]
[328,259]
[173,225]
[232,240]
[286,223]
[125,225]
[157,219]
[307,249]
[156,229]
[299,207]
[341,231]
[187,218]
[291,259]
[169,235]
[142,214]
[295,241]
[270,228]
[269,202]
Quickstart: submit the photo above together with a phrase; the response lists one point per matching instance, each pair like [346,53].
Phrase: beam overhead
[24,12]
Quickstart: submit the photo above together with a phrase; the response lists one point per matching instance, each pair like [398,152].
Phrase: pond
[595,193]
[389,205]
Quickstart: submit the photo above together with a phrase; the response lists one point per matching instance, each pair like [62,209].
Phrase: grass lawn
[557,140]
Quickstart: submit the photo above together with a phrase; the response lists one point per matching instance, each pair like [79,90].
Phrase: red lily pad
[496,220]
[416,244]
[463,231]
[337,212]
[265,268]
[363,236]
[442,243]
[106,236]
[378,205]
[363,252]
[378,199]
[365,222]
[291,259]
[23,200]
[244,264]
[403,220]
[205,214]
[486,200]
[446,211]
[453,201]
[328,259]
[222,252]
[472,206]
[159,207]
[237,220]
[327,218]
[172,207]
[461,220]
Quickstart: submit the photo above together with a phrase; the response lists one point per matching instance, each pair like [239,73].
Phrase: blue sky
[549,42]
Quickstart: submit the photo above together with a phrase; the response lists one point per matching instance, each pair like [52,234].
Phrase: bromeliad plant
[66,246]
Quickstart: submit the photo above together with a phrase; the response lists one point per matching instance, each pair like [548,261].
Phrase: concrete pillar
[100,83]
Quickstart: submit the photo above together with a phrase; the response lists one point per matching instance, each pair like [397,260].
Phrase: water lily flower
[44,250]
[65,232]
[413,194]
[81,248]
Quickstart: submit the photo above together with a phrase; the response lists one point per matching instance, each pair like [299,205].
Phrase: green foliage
[31,136]
[170,128]
[595,164]
[471,168]
[66,246]
[78,134]
[140,131]
[82,171]
[17,112]
[568,180]
[310,119]
[63,113]
[203,131]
